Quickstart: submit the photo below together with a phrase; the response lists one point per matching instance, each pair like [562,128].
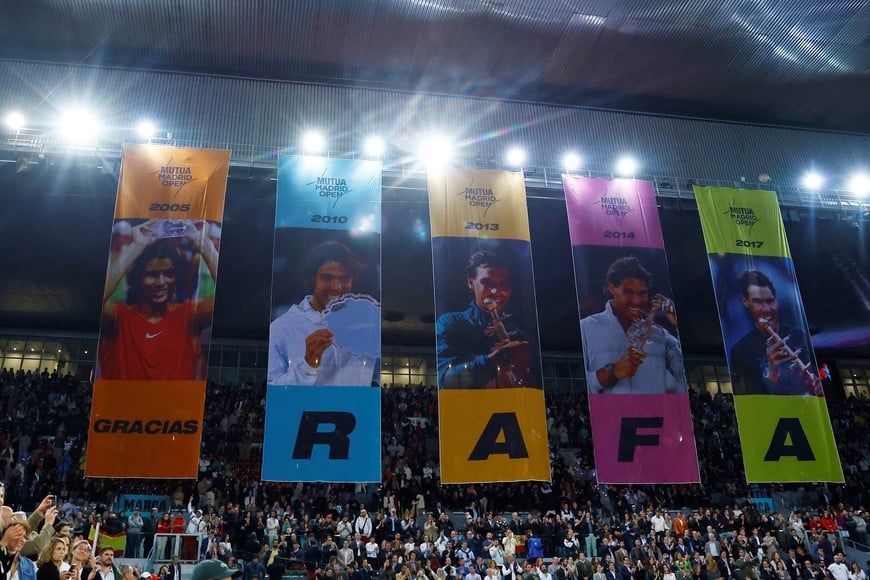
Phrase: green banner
[785,430]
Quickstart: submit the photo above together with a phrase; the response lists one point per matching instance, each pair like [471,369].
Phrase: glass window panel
[229,375]
[33,347]
[248,375]
[30,365]
[214,356]
[74,348]
[576,369]
[16,345]
[89,350]
[562,369]
[248,358]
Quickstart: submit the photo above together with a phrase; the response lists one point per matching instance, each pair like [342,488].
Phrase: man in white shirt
[658,524]
[511,569]
[372,552]
[363,524]
[839,570]
[195,519]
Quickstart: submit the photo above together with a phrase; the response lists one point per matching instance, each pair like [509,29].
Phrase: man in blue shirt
[475,348]
[625,350]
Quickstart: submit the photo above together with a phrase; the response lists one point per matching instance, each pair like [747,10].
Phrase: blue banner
[320,434]
[331,194]
[325,335]
[127,503]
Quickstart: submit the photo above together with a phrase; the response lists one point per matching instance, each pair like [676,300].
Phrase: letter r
[337,439]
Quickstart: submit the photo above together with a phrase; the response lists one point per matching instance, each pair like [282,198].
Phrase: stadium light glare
[146,129]
[515,157]
[15,121]
[313,142]
[79,126]
[859,184]
[813,180]
[571,162]
[436,150]
[626,166]
[374,146]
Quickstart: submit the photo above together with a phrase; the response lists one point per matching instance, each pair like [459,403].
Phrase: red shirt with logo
[145,350]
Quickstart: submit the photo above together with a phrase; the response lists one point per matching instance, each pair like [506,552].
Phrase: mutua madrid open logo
[614,207]
[742,216]
[173,175]
[479,197]
[329,188]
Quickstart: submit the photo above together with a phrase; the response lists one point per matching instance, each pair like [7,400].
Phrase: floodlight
[374,146]
[313,142]
[813,180]
[859,184]
[15,121]
[516,156]
[79,126]
[626,166]
[435,150]
[571,162]
[146,129]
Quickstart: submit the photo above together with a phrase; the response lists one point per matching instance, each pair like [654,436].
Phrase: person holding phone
[51,561]
[83,564]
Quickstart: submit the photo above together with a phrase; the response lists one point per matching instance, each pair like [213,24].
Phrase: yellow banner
[741,221]
[785,430]
[493,435]
[478,203]
[492,416]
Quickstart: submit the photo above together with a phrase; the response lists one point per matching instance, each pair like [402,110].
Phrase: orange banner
[156,320]
[172,183]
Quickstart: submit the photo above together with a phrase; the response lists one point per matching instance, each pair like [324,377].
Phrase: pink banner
[635,377]
[643,439]
[616,212]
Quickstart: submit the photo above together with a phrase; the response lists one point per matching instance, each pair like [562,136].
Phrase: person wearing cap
[13,564]
[214,570]
[363,525]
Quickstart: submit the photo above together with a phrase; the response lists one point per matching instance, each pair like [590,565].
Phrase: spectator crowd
[410,525]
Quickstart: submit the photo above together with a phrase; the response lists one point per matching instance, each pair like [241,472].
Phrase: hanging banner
[785,430]
[636,381]
[155,329]
[487,329]
[323,404]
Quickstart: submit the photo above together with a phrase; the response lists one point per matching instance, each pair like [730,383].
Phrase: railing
[185,546]
[32,146]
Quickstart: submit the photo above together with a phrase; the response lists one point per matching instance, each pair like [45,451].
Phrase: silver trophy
[806,369]
[638,332]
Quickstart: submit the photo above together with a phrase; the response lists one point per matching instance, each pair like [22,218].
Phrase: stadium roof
[796,62]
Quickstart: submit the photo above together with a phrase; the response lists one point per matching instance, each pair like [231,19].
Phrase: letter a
[789,428]
[337,439]
[513,445]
